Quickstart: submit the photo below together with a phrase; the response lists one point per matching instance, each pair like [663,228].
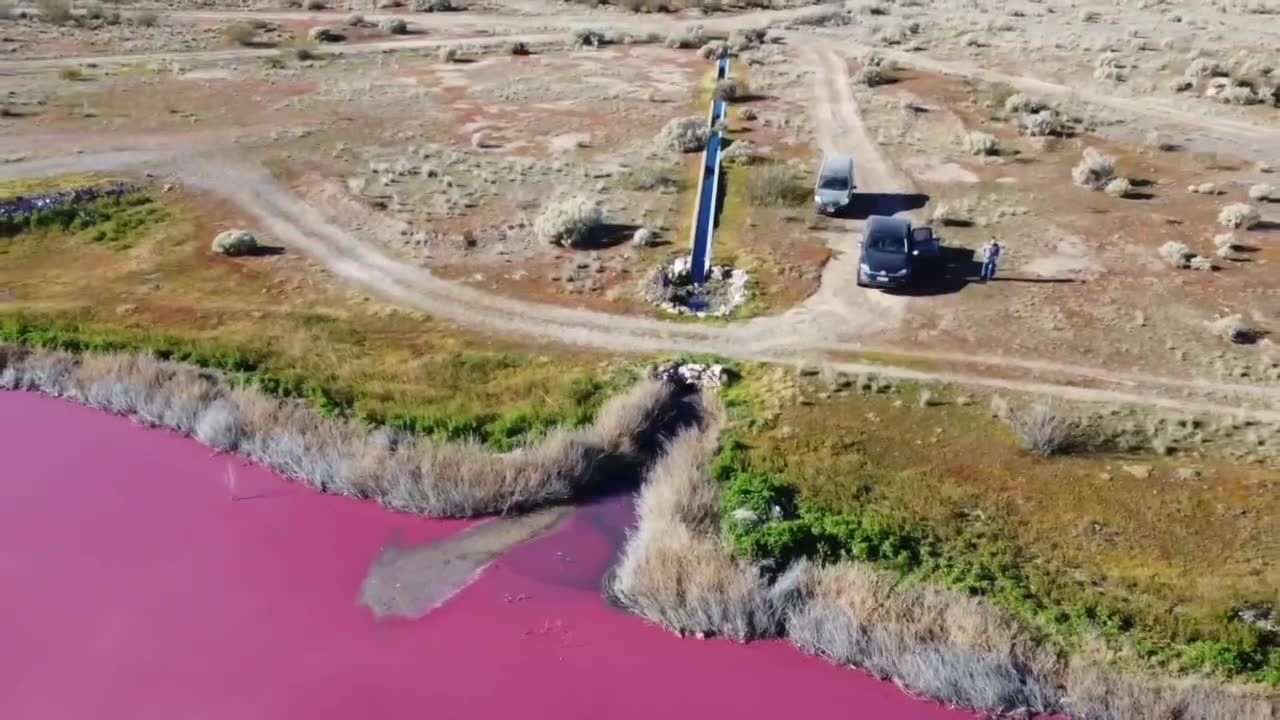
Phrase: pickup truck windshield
[887,244]
[834,182]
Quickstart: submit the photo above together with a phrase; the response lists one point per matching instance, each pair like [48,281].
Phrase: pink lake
[134,587]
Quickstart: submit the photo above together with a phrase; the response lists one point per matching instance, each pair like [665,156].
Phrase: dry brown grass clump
[674,570]
[336,455]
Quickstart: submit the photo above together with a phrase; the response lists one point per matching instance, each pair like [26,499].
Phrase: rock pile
[707,377]
[671,288]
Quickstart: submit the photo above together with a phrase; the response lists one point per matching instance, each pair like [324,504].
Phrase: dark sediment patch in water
[136,588]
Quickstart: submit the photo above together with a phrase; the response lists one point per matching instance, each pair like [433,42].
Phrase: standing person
[990,259]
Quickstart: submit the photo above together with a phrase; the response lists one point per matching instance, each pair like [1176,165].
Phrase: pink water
[133,587]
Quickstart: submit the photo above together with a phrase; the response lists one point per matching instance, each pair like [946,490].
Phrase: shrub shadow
[608,235]
[266,251]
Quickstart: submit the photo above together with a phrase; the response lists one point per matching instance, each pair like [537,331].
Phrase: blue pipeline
[708,187]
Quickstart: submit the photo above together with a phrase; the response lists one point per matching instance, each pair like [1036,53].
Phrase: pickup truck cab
[894,253]
[834,189]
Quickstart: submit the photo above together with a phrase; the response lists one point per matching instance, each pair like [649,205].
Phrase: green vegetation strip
[115,221]
[782,526]
[256,367]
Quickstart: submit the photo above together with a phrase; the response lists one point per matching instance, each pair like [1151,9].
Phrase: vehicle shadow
[863,205]
[951,272]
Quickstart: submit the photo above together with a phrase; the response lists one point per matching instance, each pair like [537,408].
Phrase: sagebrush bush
[1176,254]
[685,134]
[240,33]
[731,89]
[448,53]
[54,12]
[234,243]
[395,26]
[1119,188]
[1095,170]
[874,75]
[1043,429]
[1044,123]
[980,143]
[1239,215]
[1019,103]
[1262,192]
[714,50]
[569,221]
[687,38]
[741,152]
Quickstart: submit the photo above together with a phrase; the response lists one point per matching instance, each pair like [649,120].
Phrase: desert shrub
[395,26]
[354,20]
[949,214]
[1206,188]
[685,134]
[433,5]
[1045,123]
[234,243]
[741,152]
[1262,192]
[448,53]
[651,177]
[240,33]
[587,37]
[1119,188]
[1206,67]
[731,89]
[687,38]
[303,53]
[1176,254]
[1018,103]
[874,75]
[1043,430]
[980,143]
[70,73]
[144,18]
[315,5]
[323,35]
[776,185]
[745,39]
[1239,215]
[54,12]
[518,47]
[714,50]
[1095,170]
[1237,95]
[568,221]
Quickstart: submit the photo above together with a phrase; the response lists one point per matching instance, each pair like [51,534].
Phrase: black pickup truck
[895,254]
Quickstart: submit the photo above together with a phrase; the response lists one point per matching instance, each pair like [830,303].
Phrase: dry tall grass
[676,571]
[337,455]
